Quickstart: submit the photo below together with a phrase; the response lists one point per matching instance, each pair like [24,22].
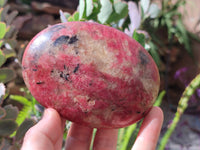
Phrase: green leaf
[93,137]
[23,114]
[3,2]
[11,112]
[4,12]
[7,127]
[89,7]
[95,11]
[2,58]
[23,128]
[20,99]
[155,56]
[105,11]
[67,15]
[9,53]
[121,133]
[6,75]
[81,9]
[74,17]
[70,18]
[120,6]
[145,5]
[160,98]
[120,11]
[139,37]
[25,111]
[154,53]
[10,17]
[2,30]
[154,10]
[129,131]
[11,34]
[183,36]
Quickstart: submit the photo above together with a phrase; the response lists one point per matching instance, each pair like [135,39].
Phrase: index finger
[150,130]
[43,135]
[78,138]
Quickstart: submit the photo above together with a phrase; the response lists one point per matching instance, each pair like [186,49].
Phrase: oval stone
[92,74]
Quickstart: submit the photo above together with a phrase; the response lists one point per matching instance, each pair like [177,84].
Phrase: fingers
[150,130]
[105,139]
[46,134]
[78,138]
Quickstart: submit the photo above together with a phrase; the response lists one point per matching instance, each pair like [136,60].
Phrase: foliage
[7,41]
[183,103]
[104,12]
[14,122]
[139,37]
[169,18]
[139,19]
[13,125]
[142,20]
[172,19]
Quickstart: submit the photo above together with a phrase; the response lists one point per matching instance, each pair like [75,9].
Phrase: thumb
[46,134]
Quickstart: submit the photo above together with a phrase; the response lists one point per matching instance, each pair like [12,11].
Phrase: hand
[47,134]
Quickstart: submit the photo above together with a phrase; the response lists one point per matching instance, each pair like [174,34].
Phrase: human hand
[47,134]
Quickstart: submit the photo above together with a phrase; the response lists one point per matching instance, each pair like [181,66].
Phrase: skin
[48,134]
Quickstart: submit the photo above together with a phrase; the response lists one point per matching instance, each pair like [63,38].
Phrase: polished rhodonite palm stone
[92,74]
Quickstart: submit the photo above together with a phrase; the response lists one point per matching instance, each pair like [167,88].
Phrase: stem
[120,137]
[127,136]
[183,103]
[160,98]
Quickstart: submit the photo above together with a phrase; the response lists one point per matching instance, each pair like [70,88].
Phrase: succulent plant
[13,122]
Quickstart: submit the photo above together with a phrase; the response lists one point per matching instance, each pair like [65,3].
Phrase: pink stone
[91,74]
